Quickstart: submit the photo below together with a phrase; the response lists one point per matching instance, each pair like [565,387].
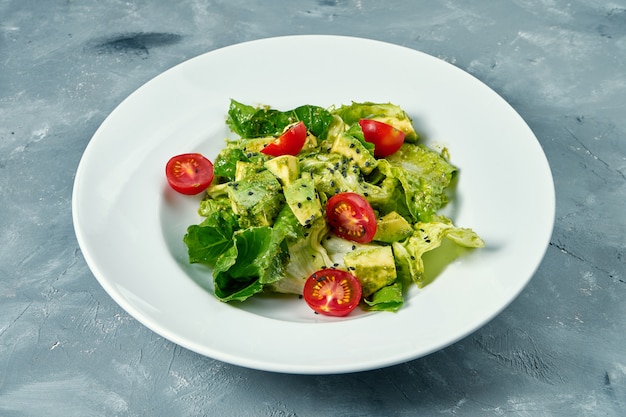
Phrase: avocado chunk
[353,149]
[392,227]
[256,199]
[374,267]
[247,170]
[284,167]
[302,198]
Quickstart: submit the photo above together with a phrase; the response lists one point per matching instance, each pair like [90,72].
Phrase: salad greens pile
[264,228]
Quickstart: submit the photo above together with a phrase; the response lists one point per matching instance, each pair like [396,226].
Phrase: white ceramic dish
[130,225]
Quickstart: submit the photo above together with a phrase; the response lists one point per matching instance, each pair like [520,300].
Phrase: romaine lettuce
[426,237]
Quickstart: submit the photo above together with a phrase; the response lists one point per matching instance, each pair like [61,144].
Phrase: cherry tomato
[189,173]
[332,292]
[351,217]
[289,143]
[386,138]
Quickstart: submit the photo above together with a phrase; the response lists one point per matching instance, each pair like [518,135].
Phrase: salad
[336,205]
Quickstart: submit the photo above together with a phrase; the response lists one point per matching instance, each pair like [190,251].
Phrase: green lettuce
[305,253]
[423,175]
[254,122]
[426,237]
[254,260]
[389,298]
[383,112]
[207,241]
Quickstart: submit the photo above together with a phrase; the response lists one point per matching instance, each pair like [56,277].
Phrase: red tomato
[289,143]
[351,217]
[386,138]
[189,173]
[332,292]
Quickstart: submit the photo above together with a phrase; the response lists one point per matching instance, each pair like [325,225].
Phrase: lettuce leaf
[253,122]
[255,260]
[207,241]
[426,237]
[388,298]
[423,175]
[225,165]
[384,112]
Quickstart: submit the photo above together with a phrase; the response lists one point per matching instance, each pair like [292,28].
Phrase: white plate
[130,225]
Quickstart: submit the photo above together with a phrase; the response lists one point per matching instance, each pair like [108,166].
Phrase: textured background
[66,349]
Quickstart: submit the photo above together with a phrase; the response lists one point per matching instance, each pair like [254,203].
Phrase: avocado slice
[256,198]
[353,149]
[284,167]
[302,198]
[392,227]
[247,170]
[374,266]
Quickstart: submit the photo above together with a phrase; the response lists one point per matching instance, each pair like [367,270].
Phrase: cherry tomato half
[189,173]
[386,138]
[351,217]
[289,143]
[332,292]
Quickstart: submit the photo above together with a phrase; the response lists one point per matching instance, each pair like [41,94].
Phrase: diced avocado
[374,267]
[247,170]
[353,149]
[284,167]
[256,144]
[210,205]
[217,190]
[302,198]
[256,199]
[392,227]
